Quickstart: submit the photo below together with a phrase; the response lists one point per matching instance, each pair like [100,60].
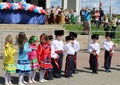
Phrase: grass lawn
[78,29]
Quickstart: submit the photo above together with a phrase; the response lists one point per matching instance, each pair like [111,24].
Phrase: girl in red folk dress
[44,56]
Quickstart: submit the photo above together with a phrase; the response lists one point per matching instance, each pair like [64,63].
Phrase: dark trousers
[4,0]
[113,31]
[107,60]
[106,29]
[69,66]
[90,62]
[75,63]
[49,74]
[93,63]
[52,19]
[97,24]
[56,68]
[57,65]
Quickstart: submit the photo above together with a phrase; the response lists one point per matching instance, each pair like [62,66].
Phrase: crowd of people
[60,16]
[47,56]
[57,15]
[98,17]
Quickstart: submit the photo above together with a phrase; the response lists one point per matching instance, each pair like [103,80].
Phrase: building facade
[66,4]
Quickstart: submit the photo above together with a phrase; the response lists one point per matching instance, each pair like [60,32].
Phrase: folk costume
[9,62]
[109,49]
[23,65]
[94,50]
[32,56]
[70,51]
[44,56]
[54,56]
[52,16]
[76,46]
[58,46]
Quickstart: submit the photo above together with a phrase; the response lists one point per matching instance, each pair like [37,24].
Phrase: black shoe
[75,72]
[71,75]
[83,33]
[93,72]
[66,76]
[109,70]
[96,72]
[57,76]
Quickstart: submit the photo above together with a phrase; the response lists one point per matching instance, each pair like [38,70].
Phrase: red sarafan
[44,56]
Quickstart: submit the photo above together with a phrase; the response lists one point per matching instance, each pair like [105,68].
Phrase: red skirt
[46,63]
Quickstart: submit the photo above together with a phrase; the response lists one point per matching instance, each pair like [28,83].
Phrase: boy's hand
[111,50]
[111,53]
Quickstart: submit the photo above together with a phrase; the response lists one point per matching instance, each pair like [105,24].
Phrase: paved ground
[84,75]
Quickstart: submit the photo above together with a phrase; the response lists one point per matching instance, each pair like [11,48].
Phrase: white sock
[21,79]
[9,79]
[6,78]
[42,74]
[44,71]
[33,75]
[30,77]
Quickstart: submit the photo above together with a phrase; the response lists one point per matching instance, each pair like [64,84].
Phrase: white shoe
[6,84]
[24,82]
[34,81]
[44,80]
[21,84]
[30,82]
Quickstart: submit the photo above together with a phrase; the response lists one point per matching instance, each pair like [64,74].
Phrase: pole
[100,4]
[110,10]
[63,4]
[79,11]
[80,4]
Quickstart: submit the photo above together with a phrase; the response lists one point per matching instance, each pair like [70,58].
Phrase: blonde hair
[9,39]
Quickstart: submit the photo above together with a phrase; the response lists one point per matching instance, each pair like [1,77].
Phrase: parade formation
[47,56]
[44,55]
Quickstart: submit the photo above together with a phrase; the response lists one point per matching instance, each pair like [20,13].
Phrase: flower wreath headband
[33,39]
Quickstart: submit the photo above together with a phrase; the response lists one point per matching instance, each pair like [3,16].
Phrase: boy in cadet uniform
[76,46]
[70,51]
[58,46]
[109,49]
[94,50]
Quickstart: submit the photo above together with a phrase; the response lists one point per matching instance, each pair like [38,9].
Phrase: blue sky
[95,3]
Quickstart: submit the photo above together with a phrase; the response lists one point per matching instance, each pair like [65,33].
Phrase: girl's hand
[58,56]
[16,36]
[34,49]
[114,46]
